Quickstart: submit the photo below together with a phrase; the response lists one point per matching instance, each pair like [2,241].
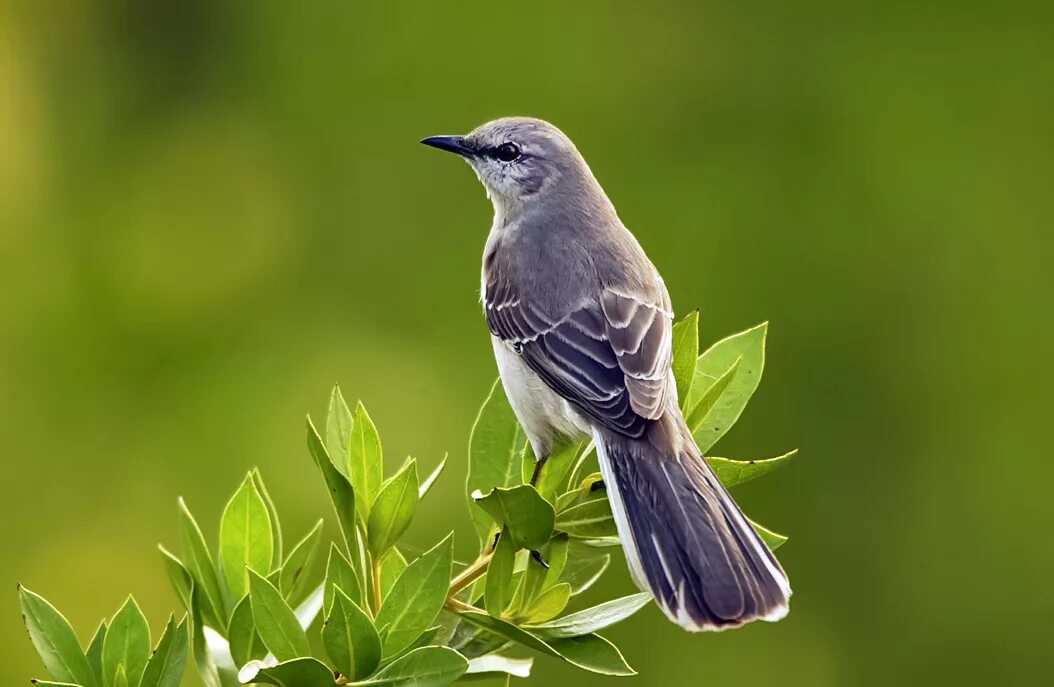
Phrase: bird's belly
[543,413]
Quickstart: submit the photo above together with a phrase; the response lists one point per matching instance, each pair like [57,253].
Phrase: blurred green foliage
[211,210]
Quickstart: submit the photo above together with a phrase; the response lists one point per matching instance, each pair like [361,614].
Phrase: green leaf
[583,568]
[699,412]
[588,520]
[275,621]
[772,539]
[181,579]
[48,683]
[556,468]
[245,537]
[733,472]
[207,670]
[428,666]
[392,566]
[297,672]
[527,515]
[165,667]
[365,460]
[492,665]
[499,575]
[495,449]
[127,643]
[94,652]
[272,513]
[530,584]
[245,643]
[120,677]
[749,346]
[431,479]
[341,493]
[339,424]
[549,604]
[393,509]
[339,573]
[416,598]
[592,619]
[54,640]
[590,652]
[201,568]
[555,553]
[350,639]
[298,561]
[685,351]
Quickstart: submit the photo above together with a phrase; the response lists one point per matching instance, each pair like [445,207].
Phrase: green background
[211,211]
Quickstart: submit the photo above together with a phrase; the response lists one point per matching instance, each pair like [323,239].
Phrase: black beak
[453,144]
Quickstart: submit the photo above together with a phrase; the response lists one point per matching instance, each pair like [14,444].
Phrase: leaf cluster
[257,612]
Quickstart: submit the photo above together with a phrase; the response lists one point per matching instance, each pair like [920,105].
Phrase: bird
[580,322]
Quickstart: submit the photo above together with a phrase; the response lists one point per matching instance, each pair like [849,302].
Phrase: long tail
[685,539]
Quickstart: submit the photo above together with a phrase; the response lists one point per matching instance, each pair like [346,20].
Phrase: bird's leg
[538,465]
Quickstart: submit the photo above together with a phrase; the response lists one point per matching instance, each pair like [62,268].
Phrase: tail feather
[685,539]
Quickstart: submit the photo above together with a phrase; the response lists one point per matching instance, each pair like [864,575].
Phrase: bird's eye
[507,152]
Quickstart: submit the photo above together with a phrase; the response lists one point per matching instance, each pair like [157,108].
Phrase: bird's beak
[453,144]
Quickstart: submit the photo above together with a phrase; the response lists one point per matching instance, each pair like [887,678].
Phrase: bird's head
[518,159]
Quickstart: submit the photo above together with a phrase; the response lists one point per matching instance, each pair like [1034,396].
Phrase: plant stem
[456,606]
[470,574]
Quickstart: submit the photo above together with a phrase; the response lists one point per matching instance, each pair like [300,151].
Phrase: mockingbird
[580,323]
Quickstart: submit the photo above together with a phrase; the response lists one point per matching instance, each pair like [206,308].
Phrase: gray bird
[580,323]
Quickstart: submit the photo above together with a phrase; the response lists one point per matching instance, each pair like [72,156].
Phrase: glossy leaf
[494,453]
[127,643]
[555,553]
[272,512]
[429,666]
[297,672]
[432,477]
[528,517]
[392,566]
[245,537]
[341,493]
[275,621]
[94,652]
[416,598]
[339,424]
[350,639]
[547,605]
[590,652]
[749,347]
[556,468]
[584,567]
[199,563]
[592,619]
[339,573]
[733,472]
[54,640]
[181,579]
[245,643]
[365,461]
[499,575]
[393,509]
[120,677]
[773,540]
[696,416]
[166,664]
[685,351]
[588,520]
[296,564]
